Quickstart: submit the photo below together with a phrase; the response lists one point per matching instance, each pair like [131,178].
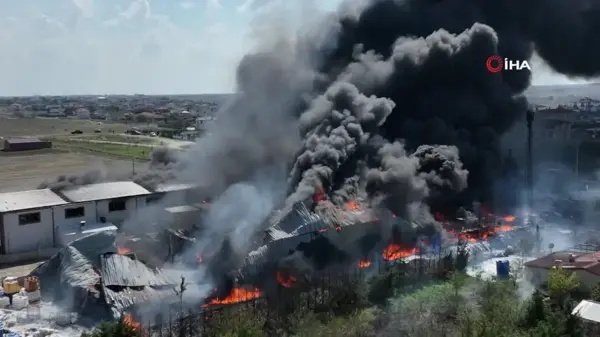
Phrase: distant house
[25,144]
[82,113]
[586,266]
[205,122]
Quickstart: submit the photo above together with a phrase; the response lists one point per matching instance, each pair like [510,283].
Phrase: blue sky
[141,46]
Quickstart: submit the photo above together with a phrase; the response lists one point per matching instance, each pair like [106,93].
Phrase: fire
[123,250]
[319,196]
[237,295]
[352,206]
[509,218]
[504,228]
[129,321]
[395,252]
[284,280]
[199,259]
[364,264]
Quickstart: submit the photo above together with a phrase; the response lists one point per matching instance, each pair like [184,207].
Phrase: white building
[104,202]
[27,222]
[205,122]
[172,194]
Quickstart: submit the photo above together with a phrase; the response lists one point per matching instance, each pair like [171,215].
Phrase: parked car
[97,131]
[76,132]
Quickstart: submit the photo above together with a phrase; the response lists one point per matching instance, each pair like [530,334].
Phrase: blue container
[503,269]
[435,244]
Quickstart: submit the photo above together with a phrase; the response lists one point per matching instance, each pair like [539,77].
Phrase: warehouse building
[103,202]
[172,194]
[27,222]
[25,144]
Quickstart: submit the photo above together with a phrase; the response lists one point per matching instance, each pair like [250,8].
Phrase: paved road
[171,143]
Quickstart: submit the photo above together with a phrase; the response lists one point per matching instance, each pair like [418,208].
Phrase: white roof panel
[174,187]
[588,310]
[23,200]
[104,191]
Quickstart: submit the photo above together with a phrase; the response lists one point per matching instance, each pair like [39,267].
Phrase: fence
[335,289]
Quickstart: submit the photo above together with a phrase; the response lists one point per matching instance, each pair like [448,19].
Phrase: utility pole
[530,116]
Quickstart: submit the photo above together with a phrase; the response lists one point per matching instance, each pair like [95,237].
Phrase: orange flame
[319,196]
[129,321]
[504,228]
[284,280]
[237,295]
[509,218]
[123,250]
[352,206]
[364,264]
[395,252]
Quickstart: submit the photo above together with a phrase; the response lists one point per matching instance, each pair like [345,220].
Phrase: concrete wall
[89,214]
[31,237]
[116,217]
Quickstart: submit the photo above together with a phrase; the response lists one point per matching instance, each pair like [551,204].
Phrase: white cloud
[187,5]
[126,46]
[85,6]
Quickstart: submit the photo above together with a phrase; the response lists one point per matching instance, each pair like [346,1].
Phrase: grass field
[117,138]
[44,127]
[27,171]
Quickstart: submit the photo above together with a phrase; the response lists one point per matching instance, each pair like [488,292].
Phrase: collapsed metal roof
[91,264]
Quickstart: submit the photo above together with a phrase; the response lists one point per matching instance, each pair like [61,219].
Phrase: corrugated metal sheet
[104,191]
[588,310]
[125,271]
[162,188]
[127,297]
[23,200]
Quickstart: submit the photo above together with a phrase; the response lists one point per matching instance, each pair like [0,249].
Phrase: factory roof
[104,191]
[588,310]
[23,200]
[173,187]
[22,140]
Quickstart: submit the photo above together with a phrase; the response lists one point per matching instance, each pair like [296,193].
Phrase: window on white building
[117,205]
[30,218]
[76,212]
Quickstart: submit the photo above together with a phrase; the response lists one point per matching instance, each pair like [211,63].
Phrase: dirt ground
[44,127]
[26,171]
[17,271]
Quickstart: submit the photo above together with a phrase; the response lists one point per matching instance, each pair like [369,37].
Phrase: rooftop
[173,187]
[104,191]
[589,262]
[23,200]
[22,140]
[588,310]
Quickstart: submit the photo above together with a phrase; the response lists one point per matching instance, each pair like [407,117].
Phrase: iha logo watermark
[495,64]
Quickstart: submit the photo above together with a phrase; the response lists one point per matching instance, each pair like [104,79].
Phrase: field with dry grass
[26,170]
[44,127]
[22,171]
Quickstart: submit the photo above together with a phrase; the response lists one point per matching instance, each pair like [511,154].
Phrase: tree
[561,284]
[536,310]
[118,328]
[595,295]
